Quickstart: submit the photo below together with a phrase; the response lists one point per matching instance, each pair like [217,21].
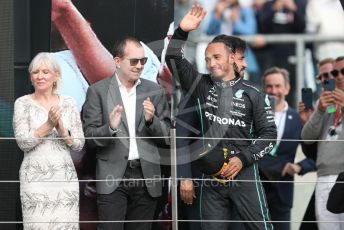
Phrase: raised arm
[314,126]
[94,60]
[180,67]
[192,19]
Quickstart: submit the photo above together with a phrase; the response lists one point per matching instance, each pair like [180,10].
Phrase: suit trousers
[129,202]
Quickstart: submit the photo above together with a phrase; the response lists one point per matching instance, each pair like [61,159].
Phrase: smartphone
[329,85]
[307,97]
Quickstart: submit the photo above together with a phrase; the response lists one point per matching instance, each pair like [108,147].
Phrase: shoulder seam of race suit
[251,86]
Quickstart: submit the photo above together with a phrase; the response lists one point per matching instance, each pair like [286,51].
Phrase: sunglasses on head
[336,72]
[135,61]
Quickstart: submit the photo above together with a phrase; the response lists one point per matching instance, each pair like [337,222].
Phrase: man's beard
[237,71]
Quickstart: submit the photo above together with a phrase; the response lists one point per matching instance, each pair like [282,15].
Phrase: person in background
[323,125]
[230,18]
[325,67]
[281,17]
[323,18]
[280,166]
[47,127]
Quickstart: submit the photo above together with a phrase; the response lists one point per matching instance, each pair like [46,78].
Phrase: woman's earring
[54,84]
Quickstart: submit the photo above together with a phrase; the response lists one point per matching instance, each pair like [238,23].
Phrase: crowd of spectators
[268,17]
[269,66]
[300,17]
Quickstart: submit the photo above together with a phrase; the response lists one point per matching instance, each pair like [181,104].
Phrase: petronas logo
[267,100]
[239,93]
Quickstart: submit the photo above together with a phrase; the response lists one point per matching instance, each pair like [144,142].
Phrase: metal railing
[173,180]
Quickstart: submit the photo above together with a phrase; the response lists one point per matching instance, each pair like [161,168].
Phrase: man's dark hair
[233,43]
[119,46]
[340,58]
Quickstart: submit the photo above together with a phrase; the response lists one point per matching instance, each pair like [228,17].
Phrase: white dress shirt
[280,118]
[129,103]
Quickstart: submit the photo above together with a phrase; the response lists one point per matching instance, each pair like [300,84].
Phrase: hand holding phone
[307,97]
[329,85]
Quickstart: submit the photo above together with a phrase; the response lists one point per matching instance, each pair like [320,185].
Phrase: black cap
[212,159]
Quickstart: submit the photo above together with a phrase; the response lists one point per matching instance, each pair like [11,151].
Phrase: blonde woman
[47,127]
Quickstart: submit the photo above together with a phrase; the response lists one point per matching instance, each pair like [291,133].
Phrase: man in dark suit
[279,165]
[129,108]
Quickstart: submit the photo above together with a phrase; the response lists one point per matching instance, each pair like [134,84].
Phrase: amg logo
[225,120]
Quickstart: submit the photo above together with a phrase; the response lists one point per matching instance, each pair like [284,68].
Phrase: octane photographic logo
[179,108]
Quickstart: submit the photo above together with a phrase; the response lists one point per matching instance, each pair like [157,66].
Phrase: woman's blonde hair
[52,64]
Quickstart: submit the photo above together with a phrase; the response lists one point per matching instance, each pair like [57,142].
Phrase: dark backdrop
[25,31]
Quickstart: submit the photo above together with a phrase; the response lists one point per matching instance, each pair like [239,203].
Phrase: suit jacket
[187,125]
[271,167]
[112,154]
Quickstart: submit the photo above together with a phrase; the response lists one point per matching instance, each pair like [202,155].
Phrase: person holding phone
[330,159]
[307,98]
[325,67]
[329,85]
